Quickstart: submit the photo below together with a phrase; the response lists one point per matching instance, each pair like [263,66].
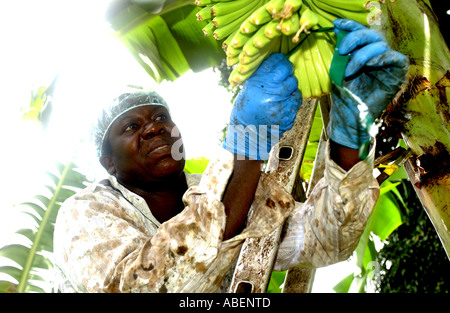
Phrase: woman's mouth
[160,148]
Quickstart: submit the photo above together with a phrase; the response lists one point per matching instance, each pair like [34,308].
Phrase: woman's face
[141,144]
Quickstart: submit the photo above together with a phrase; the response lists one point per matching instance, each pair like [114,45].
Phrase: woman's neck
[163,198]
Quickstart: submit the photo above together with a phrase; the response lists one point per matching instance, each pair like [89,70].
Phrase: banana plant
[40,107]
[164,36]
[32,261]
[421,113]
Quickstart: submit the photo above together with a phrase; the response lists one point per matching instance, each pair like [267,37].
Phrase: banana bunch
[251,30]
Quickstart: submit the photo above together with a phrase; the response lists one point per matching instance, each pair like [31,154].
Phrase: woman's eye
[130,127]
[160,117]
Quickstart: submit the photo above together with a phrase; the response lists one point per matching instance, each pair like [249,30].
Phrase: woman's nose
[151,130]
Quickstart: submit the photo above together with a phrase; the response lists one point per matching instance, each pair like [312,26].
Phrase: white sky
[42,38]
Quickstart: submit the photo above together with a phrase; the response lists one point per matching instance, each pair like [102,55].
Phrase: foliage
[31,261]
[166,41]
[413,260]
[196,166]
[41,104]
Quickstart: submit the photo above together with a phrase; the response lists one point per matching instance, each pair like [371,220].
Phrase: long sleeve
[103,243]
[327,227]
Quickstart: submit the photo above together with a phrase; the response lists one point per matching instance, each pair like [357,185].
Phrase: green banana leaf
[164,37]
[31,259]
[41,104]
[196,166]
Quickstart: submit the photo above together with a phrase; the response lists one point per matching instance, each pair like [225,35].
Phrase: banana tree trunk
[421,111]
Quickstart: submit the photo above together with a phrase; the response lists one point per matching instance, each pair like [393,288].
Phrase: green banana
[260,16]
[248,27]
[310,70]
[204,14]
[360,17]
[348,5]
[275,6]
[223,8]
[271,30]
[221,32]
[202,2]
[208,29]
[290,6]
[253,29]
[239,39]
[232,60]
[320,68]
[290,25]
[301,73]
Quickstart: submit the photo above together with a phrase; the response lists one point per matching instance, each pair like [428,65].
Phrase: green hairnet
[125,102]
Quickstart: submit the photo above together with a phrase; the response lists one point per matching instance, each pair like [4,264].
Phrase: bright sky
[73,39]
[40,39]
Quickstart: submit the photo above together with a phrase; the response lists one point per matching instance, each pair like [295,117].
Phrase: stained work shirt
[107,240]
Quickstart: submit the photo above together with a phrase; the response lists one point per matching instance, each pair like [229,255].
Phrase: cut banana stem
[237,77]
[232,60]
[270,29]
[275,6]
[250,49]
[231,51]
[250,64]
[202,2]
[239,39]
[308,19]
[227,41]
[260,39]
[208,29]
[290,6]
[260,16]
[204,14]
[291,25]
[248,27]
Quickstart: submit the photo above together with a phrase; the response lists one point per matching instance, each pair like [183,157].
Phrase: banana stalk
[247,27]
[420,113]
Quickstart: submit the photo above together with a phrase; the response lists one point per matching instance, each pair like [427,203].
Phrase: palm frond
[31,260]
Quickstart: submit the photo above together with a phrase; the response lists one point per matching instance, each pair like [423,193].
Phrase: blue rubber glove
[374,74]
[264,109]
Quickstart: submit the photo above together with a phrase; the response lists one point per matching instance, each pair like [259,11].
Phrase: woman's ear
[108,164]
